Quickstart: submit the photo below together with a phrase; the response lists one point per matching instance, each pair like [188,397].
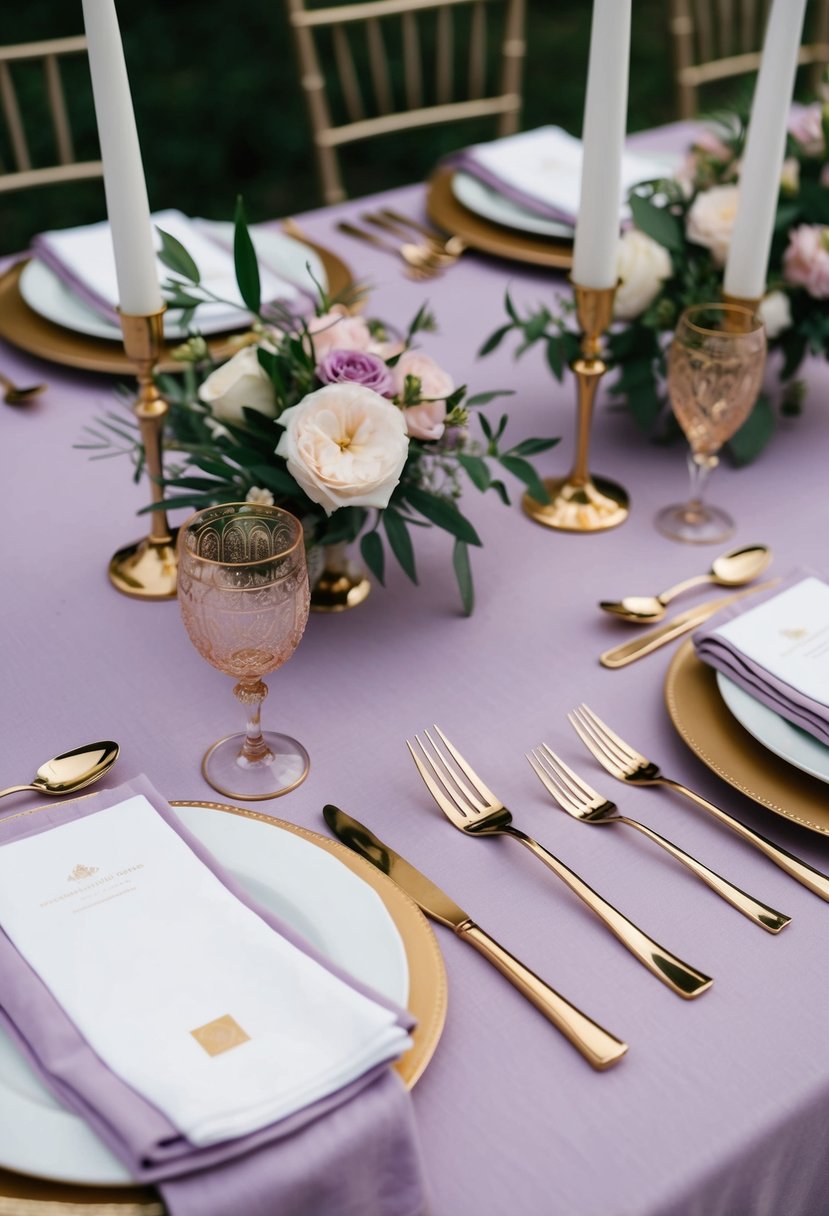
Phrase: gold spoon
[71,770]
[19,396]
[732,569]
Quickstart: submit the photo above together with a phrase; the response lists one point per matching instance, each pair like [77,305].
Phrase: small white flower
[776,312]
[260,496]
[642,266]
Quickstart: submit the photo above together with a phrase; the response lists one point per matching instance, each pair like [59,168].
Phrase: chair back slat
[57,108]
[477,50]
[14,122]
[704,28]
[445,56]
[349,82]
[446,72]
[412,71]
[379,66]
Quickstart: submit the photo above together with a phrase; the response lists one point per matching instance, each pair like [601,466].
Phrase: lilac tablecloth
[721,1107]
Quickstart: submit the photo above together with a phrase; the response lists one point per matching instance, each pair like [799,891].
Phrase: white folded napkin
[182,990]
[777,650]
[84,259]
[541,170]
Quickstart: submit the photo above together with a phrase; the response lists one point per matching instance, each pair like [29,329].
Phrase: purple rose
[356,367]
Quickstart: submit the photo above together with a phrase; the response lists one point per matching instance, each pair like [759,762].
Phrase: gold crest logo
[81,871]
[795,635]
[220,1035]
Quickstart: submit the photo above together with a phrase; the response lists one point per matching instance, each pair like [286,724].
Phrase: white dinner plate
[310,889]
[780,736]
[476,196]
[51,298]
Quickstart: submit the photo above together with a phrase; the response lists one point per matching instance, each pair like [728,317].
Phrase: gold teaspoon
[71,770]
[732,569]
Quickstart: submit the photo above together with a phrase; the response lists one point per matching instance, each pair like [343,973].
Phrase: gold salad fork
[446,250]
[584,803]
[472,808]
[626,764]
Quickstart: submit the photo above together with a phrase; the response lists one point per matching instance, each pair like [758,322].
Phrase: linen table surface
[721,1107]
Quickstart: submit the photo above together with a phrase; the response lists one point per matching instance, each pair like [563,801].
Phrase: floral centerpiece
[340,419]
[673,254]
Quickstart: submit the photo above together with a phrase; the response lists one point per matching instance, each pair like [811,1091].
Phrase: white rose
[776,312]
[345,446]
[642,265]
[710,220]
[240,381]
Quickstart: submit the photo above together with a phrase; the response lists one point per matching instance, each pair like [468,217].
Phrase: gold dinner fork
[626,764]
[584,803]
[445,252]
[472,808]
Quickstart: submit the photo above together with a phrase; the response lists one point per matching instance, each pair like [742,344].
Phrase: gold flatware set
[425,257]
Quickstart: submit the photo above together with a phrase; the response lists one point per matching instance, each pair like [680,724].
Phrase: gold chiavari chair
[715,40]
[444,58]
[63,165]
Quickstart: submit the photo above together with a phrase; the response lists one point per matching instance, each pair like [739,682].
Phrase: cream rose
[241,381]
[337,330]
[345,446]
[711,220]
[642,265]
[425,419]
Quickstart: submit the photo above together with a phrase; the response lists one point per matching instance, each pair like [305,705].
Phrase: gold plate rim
[487,237]
[705,724]
[26,329]
[428,996]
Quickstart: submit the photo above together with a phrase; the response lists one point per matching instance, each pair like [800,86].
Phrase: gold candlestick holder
[580,502]
[736,321]
[147,569]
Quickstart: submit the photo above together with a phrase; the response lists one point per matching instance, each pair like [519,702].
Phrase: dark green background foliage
[219,111]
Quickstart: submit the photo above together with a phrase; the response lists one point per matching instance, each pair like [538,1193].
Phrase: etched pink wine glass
[715,369]
[243,593]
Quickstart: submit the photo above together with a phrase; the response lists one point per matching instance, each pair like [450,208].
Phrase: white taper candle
[748,255]
[605,120]
[126,190]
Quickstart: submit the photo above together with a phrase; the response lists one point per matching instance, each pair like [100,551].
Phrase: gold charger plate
[24,1196]
[28,330]
[479,233]
[707,726]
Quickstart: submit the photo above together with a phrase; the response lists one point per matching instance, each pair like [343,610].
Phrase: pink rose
[425,419]
[337,330]
[711,218]
[807,128]
[806,260]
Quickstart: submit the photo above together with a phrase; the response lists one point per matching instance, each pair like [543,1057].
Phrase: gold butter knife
[599,1047]
[628,652]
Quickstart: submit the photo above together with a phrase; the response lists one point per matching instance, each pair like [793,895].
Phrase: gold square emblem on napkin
[220,1035]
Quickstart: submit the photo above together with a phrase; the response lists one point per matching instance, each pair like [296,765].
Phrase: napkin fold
[776,648]
[83,259]
[277,1166]
[540,170]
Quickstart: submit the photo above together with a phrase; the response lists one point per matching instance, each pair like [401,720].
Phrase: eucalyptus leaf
[175,257]
[247,266]
[400,541]
[463,574]
[371,548]
[443,514]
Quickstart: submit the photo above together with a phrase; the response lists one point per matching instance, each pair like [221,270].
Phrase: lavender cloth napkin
[779,695]
[355,1151]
